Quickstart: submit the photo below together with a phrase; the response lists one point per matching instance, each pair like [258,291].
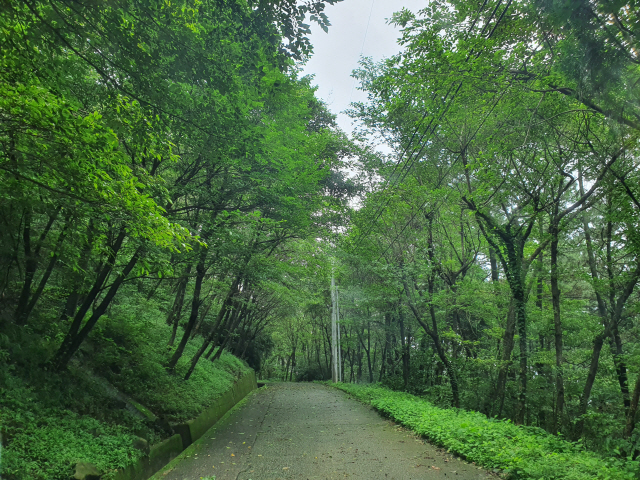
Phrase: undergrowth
[520,452]
[50,421]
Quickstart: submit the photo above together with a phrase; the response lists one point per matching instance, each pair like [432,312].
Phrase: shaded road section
[309,431]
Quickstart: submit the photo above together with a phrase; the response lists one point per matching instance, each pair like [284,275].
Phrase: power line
[446,174]
[364,39]
[408,164]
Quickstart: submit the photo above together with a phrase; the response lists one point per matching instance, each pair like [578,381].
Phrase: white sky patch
[336,54]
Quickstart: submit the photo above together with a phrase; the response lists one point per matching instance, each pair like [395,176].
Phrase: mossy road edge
[163,453]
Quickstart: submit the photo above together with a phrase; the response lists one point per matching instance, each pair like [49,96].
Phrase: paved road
[309,431]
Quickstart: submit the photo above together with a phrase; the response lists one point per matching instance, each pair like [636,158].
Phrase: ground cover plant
[520,452]
[53,420]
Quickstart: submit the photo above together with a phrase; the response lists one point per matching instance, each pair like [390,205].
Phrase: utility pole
[339,344]
[334,332]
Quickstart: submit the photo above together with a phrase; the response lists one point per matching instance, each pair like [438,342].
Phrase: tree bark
[621,367]
[45,276]
[508,344]
[633,409]
[597,345]
[103,272]
[31,263]
[63,357]
[176,310]
[195,307]
[405,350]
[555,300]
[224,312]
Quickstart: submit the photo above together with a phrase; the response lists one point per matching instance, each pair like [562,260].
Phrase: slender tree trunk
[508,344]
[520,306]
[451,373]
[103,272]
[633,409]
[621,367]
[229,332]
[224,312]
[616,315]
[327,358]
[367,352]
[201,317]
[45,276]
[293,364]
[31,263]
[195,307]
[65,356]
[616,344]
[383,361]
[360,355]
[555,300]
[176,310]
[405,351]
[432,331]
[591,377]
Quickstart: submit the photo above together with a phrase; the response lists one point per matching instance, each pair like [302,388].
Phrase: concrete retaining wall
[187,433]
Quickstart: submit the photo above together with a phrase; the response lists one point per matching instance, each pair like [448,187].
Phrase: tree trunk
[31,263]
[508,344]
[89,299]
[555,300]
[621,367]
[383,361]
[368,350]
[405,351]
[63,357]
[176,310]
[591,376]
[195,307]
[224,312]
[45,276]
[633,409]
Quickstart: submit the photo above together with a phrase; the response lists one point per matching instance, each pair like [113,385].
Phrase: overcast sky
[336,53]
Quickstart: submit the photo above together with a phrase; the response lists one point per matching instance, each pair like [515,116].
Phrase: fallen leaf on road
[435,468]
[285,468]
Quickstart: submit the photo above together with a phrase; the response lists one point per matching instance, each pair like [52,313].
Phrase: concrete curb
[187,433]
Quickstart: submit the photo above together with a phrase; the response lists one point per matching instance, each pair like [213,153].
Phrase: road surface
[310,431]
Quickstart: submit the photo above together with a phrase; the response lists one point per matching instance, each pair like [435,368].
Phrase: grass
[520,452]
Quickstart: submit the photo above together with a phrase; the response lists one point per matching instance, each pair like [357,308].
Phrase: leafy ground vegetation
[52,420]
[520,452]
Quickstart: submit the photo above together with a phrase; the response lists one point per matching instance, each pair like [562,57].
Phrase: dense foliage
[156,159]
[493,261]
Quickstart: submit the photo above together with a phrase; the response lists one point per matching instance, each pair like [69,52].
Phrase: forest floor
[311,431]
